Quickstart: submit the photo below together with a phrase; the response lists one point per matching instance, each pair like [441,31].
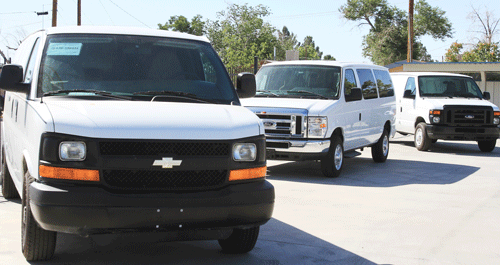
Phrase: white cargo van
[112,130]
[317,110]
[445,106]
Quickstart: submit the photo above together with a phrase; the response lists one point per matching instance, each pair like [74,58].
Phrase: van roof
[417,74]
[326,63]
[123,31]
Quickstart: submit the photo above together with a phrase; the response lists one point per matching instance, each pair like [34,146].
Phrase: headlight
[72,151]
[496,117]
[435,116]
[244,152]
[317,126]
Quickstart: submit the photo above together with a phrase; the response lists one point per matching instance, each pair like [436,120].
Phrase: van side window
[384,83]
[31,63]
[349,82]
[368,85]
[410,86]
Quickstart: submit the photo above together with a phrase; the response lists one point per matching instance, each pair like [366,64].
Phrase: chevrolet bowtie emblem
[167,162]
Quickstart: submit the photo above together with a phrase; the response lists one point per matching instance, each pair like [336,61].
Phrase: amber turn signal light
[68,173]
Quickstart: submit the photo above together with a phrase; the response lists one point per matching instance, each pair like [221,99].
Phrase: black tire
[380,150]
[331,164]
[8,188]
[240,241]
[421,140]
[487,146]
[37,244]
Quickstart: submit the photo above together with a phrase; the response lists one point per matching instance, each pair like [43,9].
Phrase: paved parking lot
[436,207]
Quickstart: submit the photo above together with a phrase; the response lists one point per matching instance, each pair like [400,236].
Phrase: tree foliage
[286,41]
[308,49]
[241,33]
[182,24]
[481,52]
[387,39]
[328,57]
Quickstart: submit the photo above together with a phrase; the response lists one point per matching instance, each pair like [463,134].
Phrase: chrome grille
[283,125]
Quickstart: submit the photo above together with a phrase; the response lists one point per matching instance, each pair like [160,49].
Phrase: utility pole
[79,15]
[409,56]
[54,13]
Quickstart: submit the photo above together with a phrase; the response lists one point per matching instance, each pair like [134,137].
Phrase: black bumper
[462,133]
[92,210]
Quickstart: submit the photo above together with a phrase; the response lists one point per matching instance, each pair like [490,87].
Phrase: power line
[13,13]
[129,14]
[105,10]
[305,15]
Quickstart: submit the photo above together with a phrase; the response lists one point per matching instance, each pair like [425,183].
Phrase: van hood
[151,120]
[314,106]
[438,103]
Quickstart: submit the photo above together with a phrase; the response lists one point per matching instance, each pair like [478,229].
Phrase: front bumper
[93,210]
[296,150]
[462,133]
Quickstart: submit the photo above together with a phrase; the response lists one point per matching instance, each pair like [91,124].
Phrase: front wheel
[380,150]
[331,165]
[240,241]
[487,146]
[422,141]
[37,243]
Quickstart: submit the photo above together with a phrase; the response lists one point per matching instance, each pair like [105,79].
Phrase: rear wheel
[487,146]
[331,165]
[422,141]
[380,150]
[240,241]
[37,243]
[8,188]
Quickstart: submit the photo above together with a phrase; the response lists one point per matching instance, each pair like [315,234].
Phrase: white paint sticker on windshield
[66,49]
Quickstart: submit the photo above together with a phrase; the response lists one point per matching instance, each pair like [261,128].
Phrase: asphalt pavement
[436,207]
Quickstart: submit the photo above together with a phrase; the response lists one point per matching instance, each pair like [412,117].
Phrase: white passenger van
[444,106]
[112,130]
[317,110]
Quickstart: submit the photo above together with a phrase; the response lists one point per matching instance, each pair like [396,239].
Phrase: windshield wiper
[467,95]
[176,94]
[268,92]
[307,92]
[97,92]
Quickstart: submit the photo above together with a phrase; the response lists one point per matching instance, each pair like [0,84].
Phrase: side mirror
[486,95]
[355,95]
[245,85]
[11,79]
[408,94]
[2,102]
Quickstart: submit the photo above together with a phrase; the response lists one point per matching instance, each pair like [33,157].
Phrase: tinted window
[349,81]
[298,81]
[410,85]
[368,85]
[448,86]
[125,65]
[384,83]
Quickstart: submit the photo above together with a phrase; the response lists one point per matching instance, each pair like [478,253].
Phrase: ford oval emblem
[270,124]
[469,116]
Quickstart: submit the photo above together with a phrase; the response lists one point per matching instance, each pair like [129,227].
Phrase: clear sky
[319,19]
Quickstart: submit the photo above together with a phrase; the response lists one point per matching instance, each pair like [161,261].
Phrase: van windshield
[298,81]
[139,67]
[448,86]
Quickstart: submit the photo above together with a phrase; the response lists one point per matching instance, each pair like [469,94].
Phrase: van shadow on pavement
[465,148]
[363,172]
[279,243]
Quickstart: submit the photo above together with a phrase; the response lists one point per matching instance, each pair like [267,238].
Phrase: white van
[317,110]
[110,130]
[445,106]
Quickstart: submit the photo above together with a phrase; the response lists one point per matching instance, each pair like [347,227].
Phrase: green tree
[329,58]
[387,39]
[240,33]
[286,41]
[308,50]
[483,52]
[182,24]
[453,53]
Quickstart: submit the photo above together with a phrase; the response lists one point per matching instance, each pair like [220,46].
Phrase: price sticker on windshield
[65,49]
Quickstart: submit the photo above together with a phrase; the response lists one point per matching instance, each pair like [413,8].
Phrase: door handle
[360,116]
